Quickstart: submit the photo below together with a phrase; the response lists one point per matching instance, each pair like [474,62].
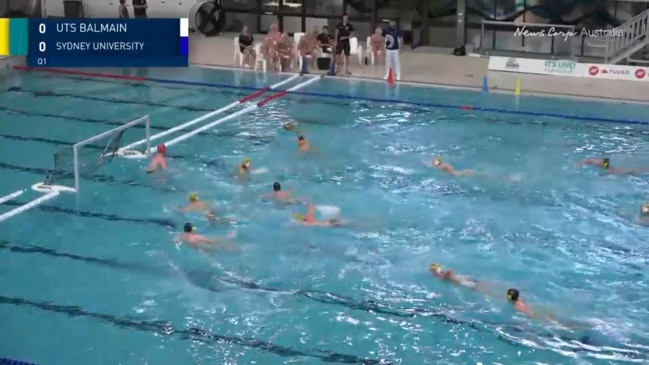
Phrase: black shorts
[343,46]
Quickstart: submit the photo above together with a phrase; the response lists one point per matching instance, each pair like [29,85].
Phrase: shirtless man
[309,219]
[377,42]
[285,52]
[159,161]
[605,164]
[283,196]
[269,47]
[513,295]
[308,45]
[303,144]
[198,241]
[448,168]
[197,205]
[452,277]
[243,170]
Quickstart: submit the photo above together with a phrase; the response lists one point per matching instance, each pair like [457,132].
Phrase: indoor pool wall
[557,234]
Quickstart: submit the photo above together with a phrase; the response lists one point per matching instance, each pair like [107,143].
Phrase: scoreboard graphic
[97,42]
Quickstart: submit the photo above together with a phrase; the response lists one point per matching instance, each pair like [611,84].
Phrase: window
[235,21]
[267,21]
[324,8]
[292,7]
[360,8]
[240,4]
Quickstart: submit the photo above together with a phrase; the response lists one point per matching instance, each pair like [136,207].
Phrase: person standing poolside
[198,241]
[393,44]
[344,32]
[139,8]
[159,161]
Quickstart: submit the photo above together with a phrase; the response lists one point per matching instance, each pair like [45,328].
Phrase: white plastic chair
[260,59]
[368,47]
[356,49]
[237,53]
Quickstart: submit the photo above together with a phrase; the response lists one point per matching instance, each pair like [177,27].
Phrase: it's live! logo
[640,73]
[593,70]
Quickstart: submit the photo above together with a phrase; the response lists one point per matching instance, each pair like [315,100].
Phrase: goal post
[85,157]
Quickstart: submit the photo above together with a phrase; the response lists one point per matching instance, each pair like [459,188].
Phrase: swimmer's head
[606,162]
[512,294]
[301,139]
[277,186]
[644,209]
[436,268]
[300,217]
[162,149]
[246,163]
[437,162]
[193,197]
[189,228]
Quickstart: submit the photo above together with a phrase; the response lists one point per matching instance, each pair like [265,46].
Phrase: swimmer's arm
[590,161]
[152,167]
[163,164]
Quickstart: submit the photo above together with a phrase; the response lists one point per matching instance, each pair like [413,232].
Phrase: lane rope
[347,97]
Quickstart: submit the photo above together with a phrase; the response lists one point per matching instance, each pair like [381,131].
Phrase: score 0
[41,45]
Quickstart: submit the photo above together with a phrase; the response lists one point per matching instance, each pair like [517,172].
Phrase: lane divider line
[11,196]
[359,98]
[238,113]
[194,121]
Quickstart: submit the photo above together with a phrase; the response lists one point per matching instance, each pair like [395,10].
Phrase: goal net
[84,158]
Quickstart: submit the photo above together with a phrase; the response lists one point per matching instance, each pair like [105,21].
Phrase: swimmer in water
[197,205]
[284,196]
[513,295]
[190,237]
[159,161]
[644,215]
[446,167]
[303,144]
[244,168]
[291,126]
[452,277]
[605,165]
[309,219]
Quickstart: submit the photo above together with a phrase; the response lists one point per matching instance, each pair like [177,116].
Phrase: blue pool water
[95,278]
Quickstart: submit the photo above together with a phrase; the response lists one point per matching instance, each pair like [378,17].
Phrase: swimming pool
[96,278]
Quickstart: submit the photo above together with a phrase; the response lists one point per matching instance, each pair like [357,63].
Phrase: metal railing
[524,30]
[627,39]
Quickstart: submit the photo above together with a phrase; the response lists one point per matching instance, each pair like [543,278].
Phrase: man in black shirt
[139,8]
[325,40]
[344,32]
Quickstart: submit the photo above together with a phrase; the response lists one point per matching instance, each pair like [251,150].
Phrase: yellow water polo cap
[246,162]
[437,161]
[300,217]
[436,267]
[193,197]
[645,208]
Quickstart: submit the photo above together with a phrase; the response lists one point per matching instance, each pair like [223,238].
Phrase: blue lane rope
[413,103]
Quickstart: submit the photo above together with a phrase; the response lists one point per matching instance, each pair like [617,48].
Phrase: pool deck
[449,71]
